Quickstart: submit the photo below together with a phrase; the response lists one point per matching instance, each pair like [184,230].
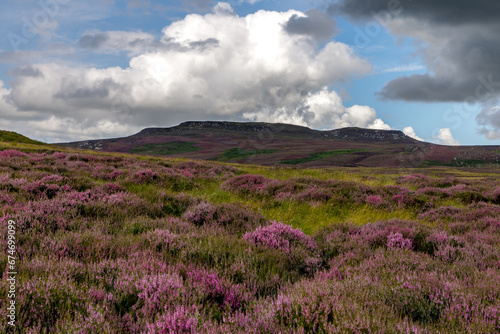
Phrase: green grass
[240,153]
[9,136]
[461,163]
[319,156]
[175,147]
[309,218]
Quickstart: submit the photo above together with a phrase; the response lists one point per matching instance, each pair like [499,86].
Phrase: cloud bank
[459,42]
[268,66]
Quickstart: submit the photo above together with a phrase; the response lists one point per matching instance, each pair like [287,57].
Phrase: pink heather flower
[158,290]
[439,237]
[200,213]
[281,196]
[98,295]
[59,155]
[280,236]
[396,240]
[374,200]
[12,153]
[5,198]
[178,322]
[246,183]
[52,179]
[146,176]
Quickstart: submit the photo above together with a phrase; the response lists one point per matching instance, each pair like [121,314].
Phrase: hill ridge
[279,144]
[348,133]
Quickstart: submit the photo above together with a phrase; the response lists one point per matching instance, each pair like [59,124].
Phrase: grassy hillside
[119,243]
[271,144]
[9,136]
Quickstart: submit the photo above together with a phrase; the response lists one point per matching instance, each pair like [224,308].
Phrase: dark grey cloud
[461,49]
[138,42]
[28,71]
[463,64]
[489,121]
[425,88]
[204,44]
[454,12]
[317,24]
[93,41]
[100,90]
[202,5]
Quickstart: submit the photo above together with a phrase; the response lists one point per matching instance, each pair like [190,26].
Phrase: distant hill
[292,145]
[13,137]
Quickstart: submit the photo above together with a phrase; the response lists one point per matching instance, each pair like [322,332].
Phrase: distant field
[240,153]
[175,147]
[121,243]
[319,156]
[462,163]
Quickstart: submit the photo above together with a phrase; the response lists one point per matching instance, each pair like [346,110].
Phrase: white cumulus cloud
[445,137]
[410,132]
[321,110]
[213,66]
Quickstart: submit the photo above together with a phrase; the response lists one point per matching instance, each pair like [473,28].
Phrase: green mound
[319,156]
[240,153]
[13,137]
[175,147]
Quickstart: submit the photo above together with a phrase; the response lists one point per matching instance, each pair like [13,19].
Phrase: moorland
[133,243]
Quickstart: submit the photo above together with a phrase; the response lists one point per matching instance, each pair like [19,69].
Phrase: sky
[76,70]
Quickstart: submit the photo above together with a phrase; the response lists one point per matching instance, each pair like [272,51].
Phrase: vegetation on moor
[110,243]
[274,144]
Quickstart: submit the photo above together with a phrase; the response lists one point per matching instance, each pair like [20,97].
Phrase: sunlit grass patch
[320,155]
[239,153]
[175,147]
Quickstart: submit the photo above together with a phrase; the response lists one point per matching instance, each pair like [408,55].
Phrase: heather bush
[40,190]
[5,198]
[158,292]
[262,270]
[416,180]
[280,236]
[303,250]
[216,294]
[471,213]
[299,189]
[137,245]
[493,196]
[164,177]
[205,171]
[434,191]
[396,240]
[468,197]
[12,153]
[180,320]
[374,200]
[233,218]
[43,303]
[361,242]
[160,240]
[245,184]
[146,176]
[420,181]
